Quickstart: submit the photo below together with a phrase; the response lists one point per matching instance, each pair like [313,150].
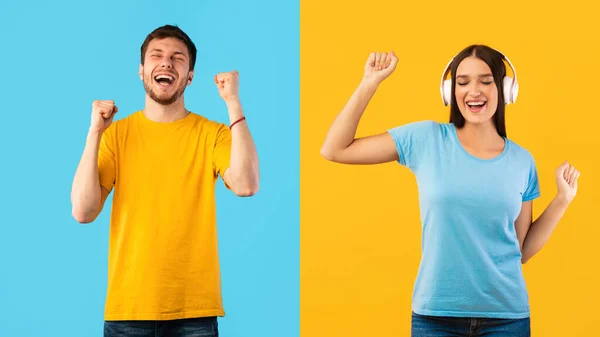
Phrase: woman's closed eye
[465,83]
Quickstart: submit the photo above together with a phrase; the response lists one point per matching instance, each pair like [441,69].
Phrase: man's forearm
[243,165]
[86,192]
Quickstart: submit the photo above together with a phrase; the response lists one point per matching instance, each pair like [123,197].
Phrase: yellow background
[360,229]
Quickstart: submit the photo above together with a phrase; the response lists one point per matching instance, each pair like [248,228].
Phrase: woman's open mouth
[476,106]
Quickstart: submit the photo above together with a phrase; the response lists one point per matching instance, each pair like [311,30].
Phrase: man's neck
[164,113]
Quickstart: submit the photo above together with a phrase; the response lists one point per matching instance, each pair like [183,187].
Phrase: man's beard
[163,100]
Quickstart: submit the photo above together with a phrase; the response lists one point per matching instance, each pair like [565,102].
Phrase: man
[163,163]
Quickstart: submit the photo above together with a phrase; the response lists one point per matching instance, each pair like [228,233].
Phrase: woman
[476,189]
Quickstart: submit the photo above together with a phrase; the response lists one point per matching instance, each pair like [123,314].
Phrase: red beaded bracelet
[239,120]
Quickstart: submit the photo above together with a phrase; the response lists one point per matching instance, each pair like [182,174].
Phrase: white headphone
[509,84]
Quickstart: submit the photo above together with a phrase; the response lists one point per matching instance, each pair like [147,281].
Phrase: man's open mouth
[164,79]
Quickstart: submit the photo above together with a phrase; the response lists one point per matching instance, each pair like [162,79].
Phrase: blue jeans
[189,327]
[431,326]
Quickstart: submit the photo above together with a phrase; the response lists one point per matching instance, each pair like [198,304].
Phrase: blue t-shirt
[471,260]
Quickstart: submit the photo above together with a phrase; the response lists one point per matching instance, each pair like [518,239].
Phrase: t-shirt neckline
[463,150]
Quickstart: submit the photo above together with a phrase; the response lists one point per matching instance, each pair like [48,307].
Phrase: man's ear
[190,77]
[141,72]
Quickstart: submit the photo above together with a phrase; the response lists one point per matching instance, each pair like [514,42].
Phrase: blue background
[57,57]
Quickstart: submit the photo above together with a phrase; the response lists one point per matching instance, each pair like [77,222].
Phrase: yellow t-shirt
[163,260]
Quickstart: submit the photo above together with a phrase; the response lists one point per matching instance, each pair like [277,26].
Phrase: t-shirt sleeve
[222,150]
[532,190]
[411,141]
[107,167]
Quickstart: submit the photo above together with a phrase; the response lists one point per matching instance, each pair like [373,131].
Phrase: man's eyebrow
[160,51]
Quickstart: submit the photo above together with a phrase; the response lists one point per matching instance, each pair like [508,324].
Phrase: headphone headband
[510,89]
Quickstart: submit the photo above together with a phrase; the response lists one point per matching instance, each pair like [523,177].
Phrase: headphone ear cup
[447,92]
[515,91]
[510,90]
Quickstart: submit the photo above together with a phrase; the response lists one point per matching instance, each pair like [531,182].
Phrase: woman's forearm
[541,229]
[343,130]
